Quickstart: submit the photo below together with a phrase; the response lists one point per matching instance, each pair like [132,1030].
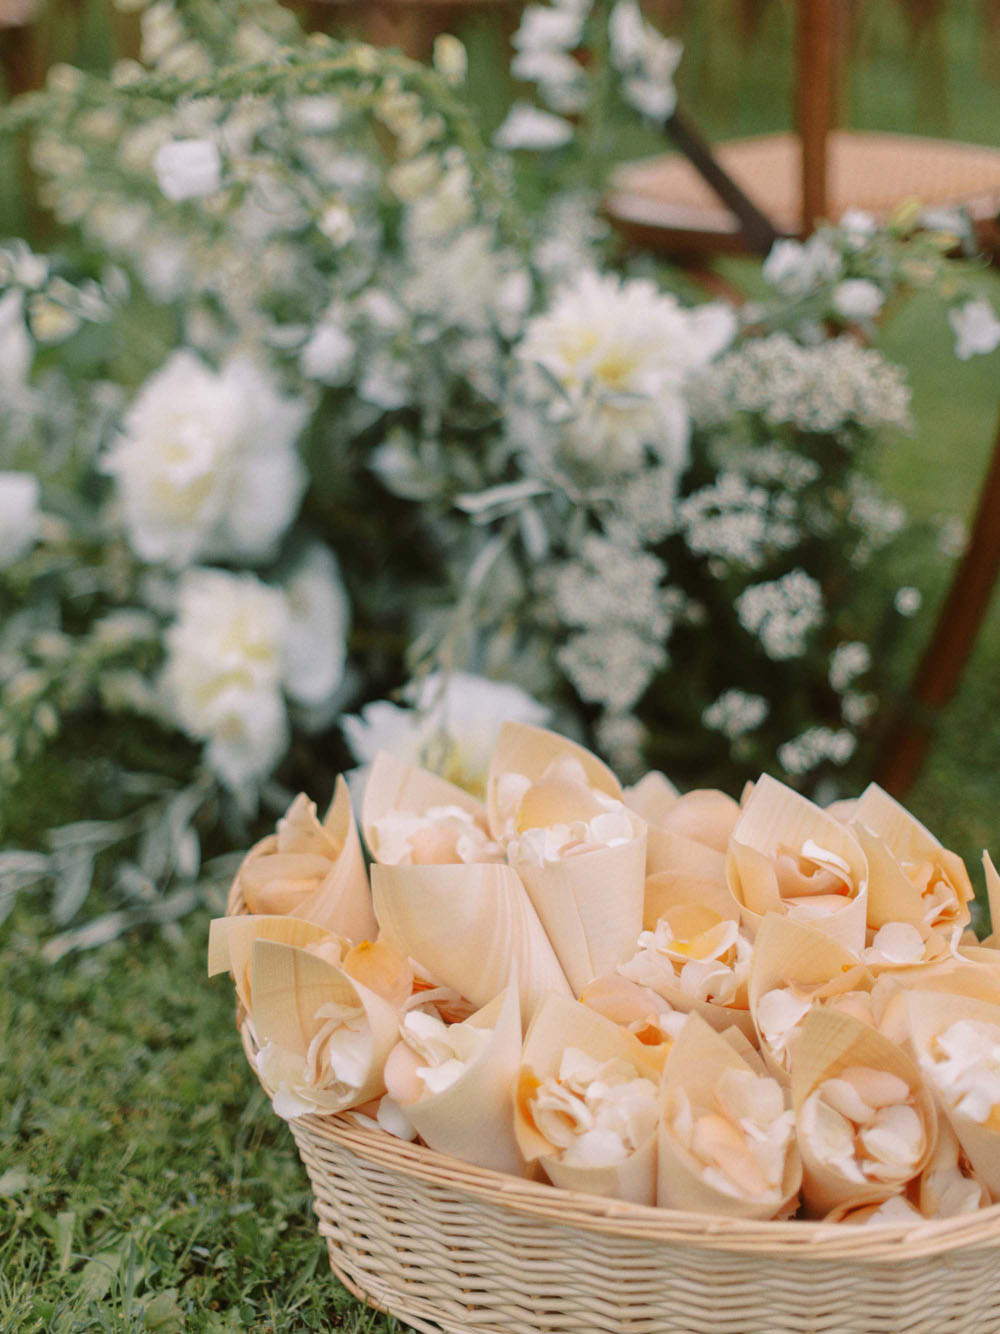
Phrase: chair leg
[952,640]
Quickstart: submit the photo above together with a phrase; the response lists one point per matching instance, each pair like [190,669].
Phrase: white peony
[976,328]
[206,465]
[223,675]
[188,169]
[622,353]
[451,724]
[316,638]
[19,517]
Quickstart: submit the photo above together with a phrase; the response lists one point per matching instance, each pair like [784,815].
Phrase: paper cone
[993,899]
[680,870]
[231,939]
[469,926]
[289,986]
[776,817]
[893,898]
[831,1043]
[473,1119]
[560,1023]
[929,1015]
[530,751]
[652,797]
[312,870]
[590,906]
[696,1062]
[943,1173]
[394,785]
[787,952]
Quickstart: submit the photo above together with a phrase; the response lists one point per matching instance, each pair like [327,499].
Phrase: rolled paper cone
[231,940]
[652,797]
[394,785]
[343,899]
[929,1015]
[832,1042]
[787,952]
[992,941]
[590,906]
[697,1060]
[705,816]
[680,870]
[946,1159]
[773,817]
[745,1049]
[469,926]
[290,985]
[530,751]
[892,897]
[906,840]
[560,1023]
[473,1119]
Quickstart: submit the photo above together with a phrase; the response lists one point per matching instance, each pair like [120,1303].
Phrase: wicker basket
[452,1249]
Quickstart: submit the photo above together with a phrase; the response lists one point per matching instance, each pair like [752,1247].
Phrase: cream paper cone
[830,1043]
[473,1119]
[395,785]
[775,816]
[289,986]
[696,1062]
[312,870]
[992,941]
[680,870]
[560,1023]
[590,906]
[469,926]
[892,897]
[231,939]
[786,952]
[652,797]
[970,974]
[530,751]
[929,1015]
[946,1162]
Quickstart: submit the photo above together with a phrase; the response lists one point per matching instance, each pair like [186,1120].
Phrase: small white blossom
[798,267]
[529,128]
[782,613]
[848,661]
[976,328]
[206,465]
[15,346]
[329,354]
[857,228]
[188,169]
[223,674]
[858,299]
[908,600]
[735,521]
[813,747]
[646,59]
[315,646]
[735,713]
[19,516]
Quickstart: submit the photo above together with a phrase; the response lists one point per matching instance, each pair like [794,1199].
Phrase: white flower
[816,744]
[316,639]
[857,227]
[549,28]
[796,267]
[223,674]
[858,299]
[188,169]
[451,724]
[528,127]
[19,517]
[206,465]
[977,329]
[847,661]
[622,353]
[646,58]
[735,713]
[782,613]
[908,600]
[328,356]
[15,345]
[456,282]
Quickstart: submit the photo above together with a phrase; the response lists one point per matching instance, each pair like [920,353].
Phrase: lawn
[144,1182]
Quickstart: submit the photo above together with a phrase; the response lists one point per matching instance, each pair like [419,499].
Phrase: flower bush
[315,399]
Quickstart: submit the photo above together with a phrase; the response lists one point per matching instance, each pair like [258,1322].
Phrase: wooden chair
[743,196]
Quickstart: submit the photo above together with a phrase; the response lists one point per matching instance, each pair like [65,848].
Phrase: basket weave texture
[452,1248]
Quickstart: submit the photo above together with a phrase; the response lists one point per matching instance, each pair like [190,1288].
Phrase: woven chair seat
[663,201]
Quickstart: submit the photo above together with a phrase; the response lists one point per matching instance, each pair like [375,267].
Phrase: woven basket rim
[622,1218]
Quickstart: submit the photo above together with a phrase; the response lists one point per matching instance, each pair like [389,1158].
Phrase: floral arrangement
[322,435]
[782,1010]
